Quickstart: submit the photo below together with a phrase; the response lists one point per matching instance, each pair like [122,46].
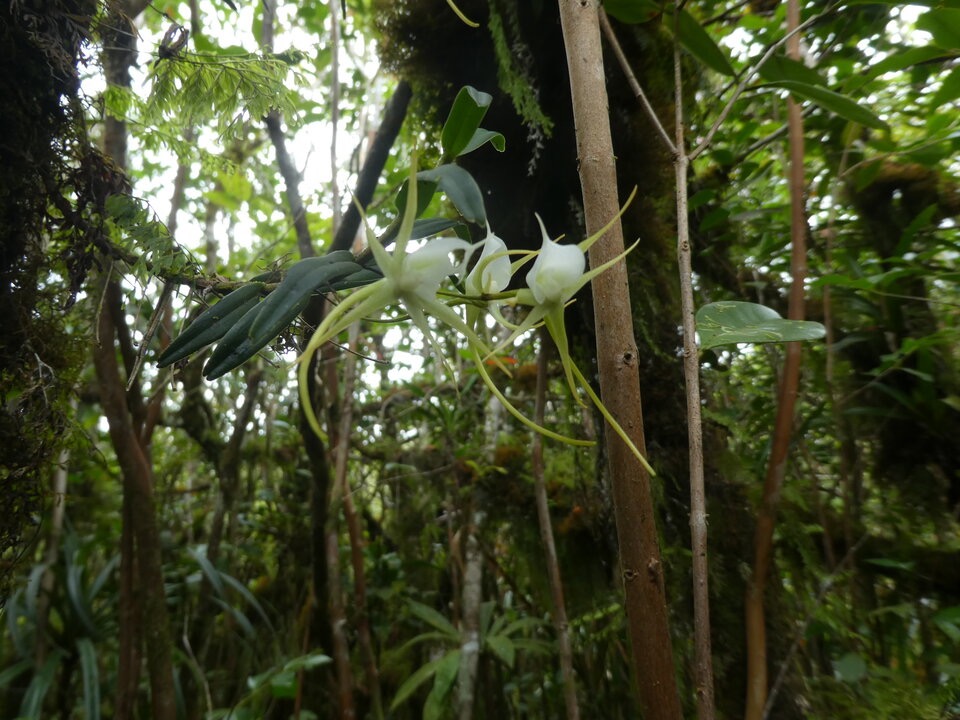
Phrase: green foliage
[729,323]
[230,87]
[513,68]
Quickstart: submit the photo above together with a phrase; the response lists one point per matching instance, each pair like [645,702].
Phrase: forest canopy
[479,359]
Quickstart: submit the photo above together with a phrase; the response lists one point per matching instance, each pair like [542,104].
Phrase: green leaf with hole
[832,101]
[696,40]
[729,323]
[460,188]
[462,123]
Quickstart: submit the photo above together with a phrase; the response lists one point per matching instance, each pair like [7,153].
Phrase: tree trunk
[617,359]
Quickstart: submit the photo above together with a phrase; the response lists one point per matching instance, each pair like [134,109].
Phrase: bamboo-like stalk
[640,562]
[783,424]
[706,709]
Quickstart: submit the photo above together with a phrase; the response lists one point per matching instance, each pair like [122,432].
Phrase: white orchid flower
[410,279]
[557,275]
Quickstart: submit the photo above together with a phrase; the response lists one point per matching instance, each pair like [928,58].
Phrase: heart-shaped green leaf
[728,323]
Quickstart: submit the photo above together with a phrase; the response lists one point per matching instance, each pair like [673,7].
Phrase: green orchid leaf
[728,323]
[90,671]
[461,188]
[832,101]
[234,348]
[437,701]
[422,674]
[425,227]
[503,648]
[361,277]
[432,617]
[425,192]
[464,119]
[695,39]
[212,324]
[283,305]
[481,137]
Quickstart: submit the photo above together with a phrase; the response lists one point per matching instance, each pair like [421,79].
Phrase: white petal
[422,271]
[556,273]
[495,275]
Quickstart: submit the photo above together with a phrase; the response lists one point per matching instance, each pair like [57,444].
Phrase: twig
[706,707]
[748,78]
[633,82]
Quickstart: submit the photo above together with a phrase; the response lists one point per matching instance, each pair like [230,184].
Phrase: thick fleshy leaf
[834,102]
[464,119]
[289,299]
[695,39]
[461,188]
[212,324]
[728,323]
[426,227]
[234,348]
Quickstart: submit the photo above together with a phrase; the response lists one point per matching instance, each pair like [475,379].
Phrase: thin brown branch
[633,82]
[783,424]
[706,707]
[138,486]
[560,622]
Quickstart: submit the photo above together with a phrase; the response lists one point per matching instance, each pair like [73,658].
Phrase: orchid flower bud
[556,273]
[490,276]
